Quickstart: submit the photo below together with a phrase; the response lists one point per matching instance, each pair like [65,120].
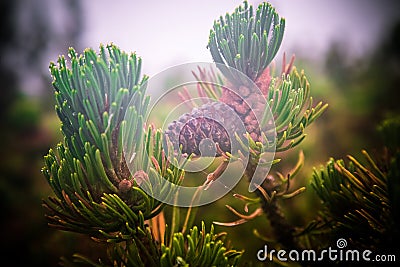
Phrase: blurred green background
[361,91]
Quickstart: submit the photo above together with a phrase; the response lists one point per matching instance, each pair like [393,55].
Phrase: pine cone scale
[213,122]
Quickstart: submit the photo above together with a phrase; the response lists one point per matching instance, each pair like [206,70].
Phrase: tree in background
[26,38]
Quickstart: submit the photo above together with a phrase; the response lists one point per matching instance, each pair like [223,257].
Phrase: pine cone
[211,122]
[249,104]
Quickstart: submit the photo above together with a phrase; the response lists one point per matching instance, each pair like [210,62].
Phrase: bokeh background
[350,51]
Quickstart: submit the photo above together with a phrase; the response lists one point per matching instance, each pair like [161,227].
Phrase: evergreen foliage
[101,100]
[361,199]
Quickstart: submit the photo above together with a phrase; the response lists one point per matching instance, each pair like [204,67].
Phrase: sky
[166,33]
[173,32]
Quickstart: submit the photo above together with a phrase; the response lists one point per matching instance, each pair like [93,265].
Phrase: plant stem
[281,228]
